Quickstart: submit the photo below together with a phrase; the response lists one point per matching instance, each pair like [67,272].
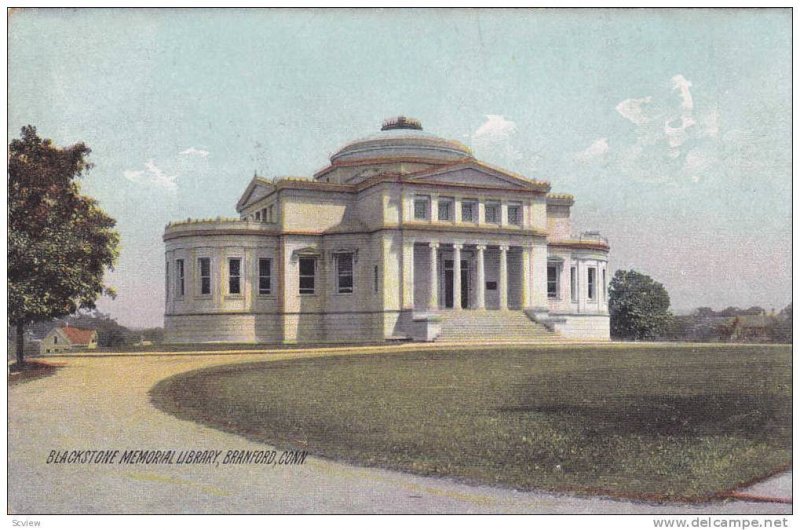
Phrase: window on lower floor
[344,273]
[493,212]
[204,264]
[264,276]
[234,275]
[552,281]
[573,284]
[590,283]
[258,215]
[308,276]
[375,278]
[180,288]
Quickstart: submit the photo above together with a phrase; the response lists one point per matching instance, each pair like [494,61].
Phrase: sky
[672,128]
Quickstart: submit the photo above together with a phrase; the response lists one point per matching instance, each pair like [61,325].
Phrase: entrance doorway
[449,284]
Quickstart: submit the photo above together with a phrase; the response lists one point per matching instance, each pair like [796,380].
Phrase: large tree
[60,243]
[639,306]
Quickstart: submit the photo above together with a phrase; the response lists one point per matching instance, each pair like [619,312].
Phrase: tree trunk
[20,344]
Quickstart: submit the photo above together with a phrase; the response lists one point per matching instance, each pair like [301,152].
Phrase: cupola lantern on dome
[401,138]
[401,122]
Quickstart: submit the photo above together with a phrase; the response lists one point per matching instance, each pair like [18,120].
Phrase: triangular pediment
[480,175]
[255,191]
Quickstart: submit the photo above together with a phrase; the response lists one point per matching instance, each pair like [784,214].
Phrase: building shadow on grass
[746,415]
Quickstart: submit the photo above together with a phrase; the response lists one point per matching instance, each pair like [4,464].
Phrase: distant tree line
[732,324]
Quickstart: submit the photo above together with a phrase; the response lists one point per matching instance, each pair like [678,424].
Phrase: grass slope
[664,424]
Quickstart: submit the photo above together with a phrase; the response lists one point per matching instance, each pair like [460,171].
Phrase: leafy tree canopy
[59,242]
[638,305]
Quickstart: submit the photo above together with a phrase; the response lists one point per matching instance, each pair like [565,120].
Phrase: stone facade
[399,226]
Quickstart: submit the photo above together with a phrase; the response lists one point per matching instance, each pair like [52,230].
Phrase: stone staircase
[471,325]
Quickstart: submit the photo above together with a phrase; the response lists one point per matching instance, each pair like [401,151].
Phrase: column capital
[458,246]
[503,248]
[480,247]
[434,244]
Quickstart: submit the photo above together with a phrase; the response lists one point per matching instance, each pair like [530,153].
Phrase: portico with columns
[461,275]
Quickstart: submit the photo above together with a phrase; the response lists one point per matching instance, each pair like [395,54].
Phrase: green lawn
[670,423]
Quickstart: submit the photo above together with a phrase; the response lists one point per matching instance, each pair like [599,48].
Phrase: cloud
[596,151]
[675,127]
[152,176]
[495,139]
[631,109]
[194,152]
[672,139]
[495,128]
[682,85]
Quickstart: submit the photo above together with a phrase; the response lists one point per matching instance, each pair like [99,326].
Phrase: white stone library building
[403,236]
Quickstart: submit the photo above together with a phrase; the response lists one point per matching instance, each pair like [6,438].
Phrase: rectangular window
[375,278]
[264,276]
[469,211]
[235,275]
[493,212]
[308,269]
[258,216]
[605,293]
[344,273]
[421,207]
[179,278]
[573,285]
[445,209]
[590,284]
[552,281]
[204,264]
[264,215]
[515,214]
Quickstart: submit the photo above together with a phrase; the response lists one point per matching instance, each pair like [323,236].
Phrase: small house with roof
[68,338]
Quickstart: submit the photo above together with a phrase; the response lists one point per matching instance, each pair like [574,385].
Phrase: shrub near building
[638,305]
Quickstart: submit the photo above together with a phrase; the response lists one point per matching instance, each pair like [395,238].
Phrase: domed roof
[402,137]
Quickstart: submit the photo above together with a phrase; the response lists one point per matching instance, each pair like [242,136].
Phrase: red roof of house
[78,336]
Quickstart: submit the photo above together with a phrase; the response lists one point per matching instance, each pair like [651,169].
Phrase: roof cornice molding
[560,199]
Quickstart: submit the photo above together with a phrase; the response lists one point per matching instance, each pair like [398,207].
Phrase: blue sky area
[671,127]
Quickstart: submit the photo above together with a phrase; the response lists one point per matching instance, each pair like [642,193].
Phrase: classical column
[480,281]
[408,274]
[539,275]
[525,271]
[503,277]
[579,269]
[433,300]
[457,277]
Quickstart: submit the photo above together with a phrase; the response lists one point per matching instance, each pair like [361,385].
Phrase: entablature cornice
[579,245]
